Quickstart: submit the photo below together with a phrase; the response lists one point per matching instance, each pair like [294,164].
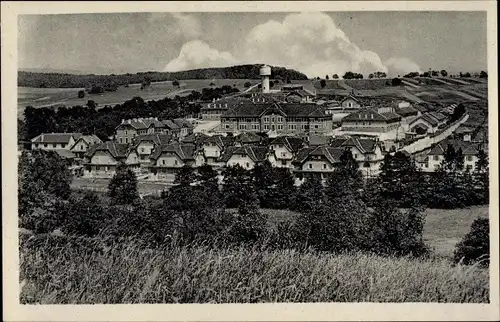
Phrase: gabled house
[277,118]
[408,113]
[127,130]
[213,110]
[248,138]
[372,120]
[368,153]
[145,145]
[83,143]
[172,128]
[105,157]
[350,102]
[433,159]
[213,147]
[428,122]
[54,141]
[168,159]
[186,128]
[246,156]
[299,96]
[319,159]
[283,150]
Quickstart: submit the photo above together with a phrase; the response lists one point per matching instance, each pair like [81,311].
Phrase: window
[266,127]
[280,119]
[125,132]
[324,166]
[316,126]
[266,119]
[469,158]
[228,126]
[142,150]
[248,165]
[126,140]
[366,165]
[163,161]
[81,147]
[243,126]
[355,155]
[175,162]
[310,166]
[97,168]
[54,145]
[283,162]
[63,145]
[469,167]
[283,154]
[272,119]
[436,157]
[280,127]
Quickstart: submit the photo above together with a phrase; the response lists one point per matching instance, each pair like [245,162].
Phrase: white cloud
[308,42]
[399,66]
[198,54]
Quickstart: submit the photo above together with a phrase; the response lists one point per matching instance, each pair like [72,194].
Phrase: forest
[55,80]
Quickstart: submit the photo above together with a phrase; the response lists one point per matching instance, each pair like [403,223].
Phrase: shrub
[122,188]
[475,246]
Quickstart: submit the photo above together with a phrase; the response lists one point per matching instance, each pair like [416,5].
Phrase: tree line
[29,79]
[331,217]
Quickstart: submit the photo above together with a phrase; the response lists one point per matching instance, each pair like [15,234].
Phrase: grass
[39,97]
[89,272]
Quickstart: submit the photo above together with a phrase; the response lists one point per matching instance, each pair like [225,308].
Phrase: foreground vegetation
[203,243]
[84,271]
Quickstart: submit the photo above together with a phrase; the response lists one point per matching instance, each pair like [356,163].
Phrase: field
[40,97]
[101,185]
[92,273]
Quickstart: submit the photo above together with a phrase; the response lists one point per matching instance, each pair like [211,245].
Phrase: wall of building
[53,146]
[369,126]
[243,160]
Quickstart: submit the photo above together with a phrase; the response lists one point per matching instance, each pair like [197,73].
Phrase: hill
[63,80]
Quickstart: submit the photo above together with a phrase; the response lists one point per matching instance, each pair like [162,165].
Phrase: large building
[372,120]
[279,118]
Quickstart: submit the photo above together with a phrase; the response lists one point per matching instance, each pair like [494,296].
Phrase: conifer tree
[122,188]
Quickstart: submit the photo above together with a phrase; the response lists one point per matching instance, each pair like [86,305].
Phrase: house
[168,159]
[105,157]
[82,145]
[350,102]
[213,147]
[248,138]
[54,141]
[434,158]
[428,122]
[213,110]
[145,145]
[367,152]
[408,113]
[319,159]
[464,133]
[127,130]
[372,120]
[185,127]
[172,128]
[283,150]
[246,156]
[280,118]
[299,96]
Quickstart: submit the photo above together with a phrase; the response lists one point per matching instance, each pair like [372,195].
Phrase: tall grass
[84,271]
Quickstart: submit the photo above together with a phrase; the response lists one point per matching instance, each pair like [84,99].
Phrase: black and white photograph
[253,156]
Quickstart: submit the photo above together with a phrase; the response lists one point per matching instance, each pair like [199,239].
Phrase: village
[290,127]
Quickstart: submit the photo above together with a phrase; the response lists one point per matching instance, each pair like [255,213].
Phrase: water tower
[265,73]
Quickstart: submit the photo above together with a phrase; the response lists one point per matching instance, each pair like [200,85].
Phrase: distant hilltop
[73,80]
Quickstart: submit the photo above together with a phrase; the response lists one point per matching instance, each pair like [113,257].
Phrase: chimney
[213,99]
[123,121]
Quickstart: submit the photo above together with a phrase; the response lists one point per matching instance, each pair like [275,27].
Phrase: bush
[475,246]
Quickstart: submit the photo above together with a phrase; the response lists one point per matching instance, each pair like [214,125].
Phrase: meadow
[54,271]
[43,97]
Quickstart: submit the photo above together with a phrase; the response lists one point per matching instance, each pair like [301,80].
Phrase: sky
[315,43]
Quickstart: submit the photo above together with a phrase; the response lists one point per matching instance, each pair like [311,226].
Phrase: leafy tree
[185,176]
[175,83]
[475,246]
[238,188]
[122,188]
[81,94]
[91,104]
[247,84]
[44,185]
[346,179]
[444,73]
[327,77]
[458,112]
[311,193]
[434,73]
[322,83]
[411,75]
[370,76]
[396,82]
[85,215]
[481,177]
[393,231]
[335,76]
[483,74]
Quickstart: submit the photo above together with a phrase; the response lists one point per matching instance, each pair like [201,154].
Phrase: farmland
[40,97]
